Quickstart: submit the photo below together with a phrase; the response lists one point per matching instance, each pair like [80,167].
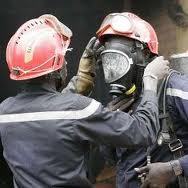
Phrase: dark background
[82,16]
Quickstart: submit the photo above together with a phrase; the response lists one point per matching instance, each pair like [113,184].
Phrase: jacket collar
[44,87]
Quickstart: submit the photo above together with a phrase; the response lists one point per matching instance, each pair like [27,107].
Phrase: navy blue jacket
[128,159]
[45,134]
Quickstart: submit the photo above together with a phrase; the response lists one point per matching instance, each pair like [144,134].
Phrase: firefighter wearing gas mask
[45,132]
[131,43]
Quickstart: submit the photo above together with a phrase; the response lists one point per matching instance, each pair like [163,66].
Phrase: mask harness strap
[167,134]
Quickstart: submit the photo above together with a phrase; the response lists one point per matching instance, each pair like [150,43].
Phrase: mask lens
[115,65]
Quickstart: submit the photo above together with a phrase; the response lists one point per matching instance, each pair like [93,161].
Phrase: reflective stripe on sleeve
[177,93]
[51,115]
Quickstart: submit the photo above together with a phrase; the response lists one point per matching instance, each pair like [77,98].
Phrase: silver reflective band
[177,93]
[51,115]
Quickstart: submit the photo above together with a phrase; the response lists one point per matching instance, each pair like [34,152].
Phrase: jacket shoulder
[76,101]
[81,101]
[178,81]
[5,104]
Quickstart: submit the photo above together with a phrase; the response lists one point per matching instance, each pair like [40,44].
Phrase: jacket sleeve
[73,87]
[121,129]
[177,96]
[184,164]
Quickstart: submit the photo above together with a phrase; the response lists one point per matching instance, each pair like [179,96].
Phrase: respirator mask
[123,63]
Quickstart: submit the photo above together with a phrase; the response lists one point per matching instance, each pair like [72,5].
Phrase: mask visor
[115,64]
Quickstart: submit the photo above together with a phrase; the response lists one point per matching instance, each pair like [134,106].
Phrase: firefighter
[130,44]
[161,174]
[46,133]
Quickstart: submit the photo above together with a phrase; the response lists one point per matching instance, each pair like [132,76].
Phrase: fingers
[146,184]
[158,68]
[143,169]
[91,43]
[88,52]
[96,45]
[98,51]
[167,62]
[121,103]
[94,49]
[114,107]
[98,48]
[160,58]
[126,105]
[166,67]
[116,100]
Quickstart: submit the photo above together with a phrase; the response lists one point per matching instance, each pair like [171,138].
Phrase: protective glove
[155,71]
[121,103]
[86,71]
[159,175]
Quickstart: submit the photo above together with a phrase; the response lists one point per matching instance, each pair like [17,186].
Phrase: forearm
[119,129]
[79,85]
[150,83]
[146,115]
[71,87]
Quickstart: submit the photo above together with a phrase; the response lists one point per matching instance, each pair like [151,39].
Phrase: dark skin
[157,175]
[122,103]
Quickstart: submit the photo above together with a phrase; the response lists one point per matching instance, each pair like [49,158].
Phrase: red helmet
[37,48]
[131,26]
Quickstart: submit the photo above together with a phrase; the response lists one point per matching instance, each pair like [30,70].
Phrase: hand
[87,61]
[158,68]
[87,66]
[121,103]
[157,174]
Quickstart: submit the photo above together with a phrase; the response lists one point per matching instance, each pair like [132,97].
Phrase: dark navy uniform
[5,173]
[177,103]
[46,134]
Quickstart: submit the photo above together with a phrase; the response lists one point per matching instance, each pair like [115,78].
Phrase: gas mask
[123,63]
[130,44]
